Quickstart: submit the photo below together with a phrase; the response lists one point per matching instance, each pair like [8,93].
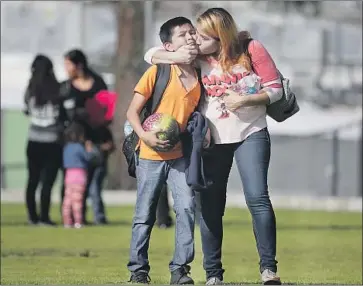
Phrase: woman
[239,128]
[84,84]
[44,151]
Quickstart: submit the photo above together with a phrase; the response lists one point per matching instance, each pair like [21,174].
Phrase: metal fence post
[2,117]
[3,174]
[335,164]
[360,183]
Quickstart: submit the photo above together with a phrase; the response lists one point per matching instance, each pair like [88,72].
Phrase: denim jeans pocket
[267,134]
[262,134]
[148,165]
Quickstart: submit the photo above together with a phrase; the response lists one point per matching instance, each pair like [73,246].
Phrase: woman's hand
[234,100]
[186,54]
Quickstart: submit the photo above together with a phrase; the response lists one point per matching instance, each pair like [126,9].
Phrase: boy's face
[182,35]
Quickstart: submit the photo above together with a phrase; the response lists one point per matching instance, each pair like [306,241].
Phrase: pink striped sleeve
[265,68]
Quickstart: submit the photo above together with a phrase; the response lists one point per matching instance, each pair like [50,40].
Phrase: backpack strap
[161,83]
[245,45]
[244,49]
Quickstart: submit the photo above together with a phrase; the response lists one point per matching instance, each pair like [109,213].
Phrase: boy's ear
[169,47]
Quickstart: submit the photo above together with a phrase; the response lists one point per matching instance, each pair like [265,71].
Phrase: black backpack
[130,142]
[285,107]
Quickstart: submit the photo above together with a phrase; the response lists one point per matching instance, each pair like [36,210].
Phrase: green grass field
[13,140]
[313,248]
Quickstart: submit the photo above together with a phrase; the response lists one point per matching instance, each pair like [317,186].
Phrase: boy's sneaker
[214,281]
[180,276]
[141,277]
[269,277]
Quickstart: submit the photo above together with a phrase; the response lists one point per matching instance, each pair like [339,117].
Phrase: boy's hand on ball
[151,139]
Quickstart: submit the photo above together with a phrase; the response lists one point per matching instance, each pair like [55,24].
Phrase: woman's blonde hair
[219,24]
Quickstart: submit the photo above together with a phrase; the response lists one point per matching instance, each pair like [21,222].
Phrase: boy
[154,169]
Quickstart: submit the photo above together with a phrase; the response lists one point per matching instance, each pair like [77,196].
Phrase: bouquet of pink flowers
[249,84]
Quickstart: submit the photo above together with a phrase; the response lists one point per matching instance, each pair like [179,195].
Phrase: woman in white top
[240,79]
[43,106]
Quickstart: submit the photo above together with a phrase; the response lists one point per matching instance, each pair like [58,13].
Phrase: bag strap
[161,83]
[245,45]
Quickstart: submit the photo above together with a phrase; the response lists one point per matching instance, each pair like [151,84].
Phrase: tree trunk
[129,60]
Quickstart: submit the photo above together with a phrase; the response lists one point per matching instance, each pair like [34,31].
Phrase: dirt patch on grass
[52,252]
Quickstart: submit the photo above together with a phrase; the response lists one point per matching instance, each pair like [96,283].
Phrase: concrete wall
[302,166]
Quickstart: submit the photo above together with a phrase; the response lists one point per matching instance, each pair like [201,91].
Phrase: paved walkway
[234,199]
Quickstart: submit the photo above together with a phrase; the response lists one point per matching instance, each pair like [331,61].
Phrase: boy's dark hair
[74,133]
[166,29]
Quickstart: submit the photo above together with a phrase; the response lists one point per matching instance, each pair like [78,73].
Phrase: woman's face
[71,68]
[207,44]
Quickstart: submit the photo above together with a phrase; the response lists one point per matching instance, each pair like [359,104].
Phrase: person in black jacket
[83,84]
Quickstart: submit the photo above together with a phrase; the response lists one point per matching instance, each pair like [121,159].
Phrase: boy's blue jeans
[151,176]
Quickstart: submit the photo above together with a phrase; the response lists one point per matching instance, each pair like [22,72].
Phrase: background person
[44,150]
[83,84]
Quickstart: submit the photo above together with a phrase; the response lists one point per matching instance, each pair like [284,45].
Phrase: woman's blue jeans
[252,157]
